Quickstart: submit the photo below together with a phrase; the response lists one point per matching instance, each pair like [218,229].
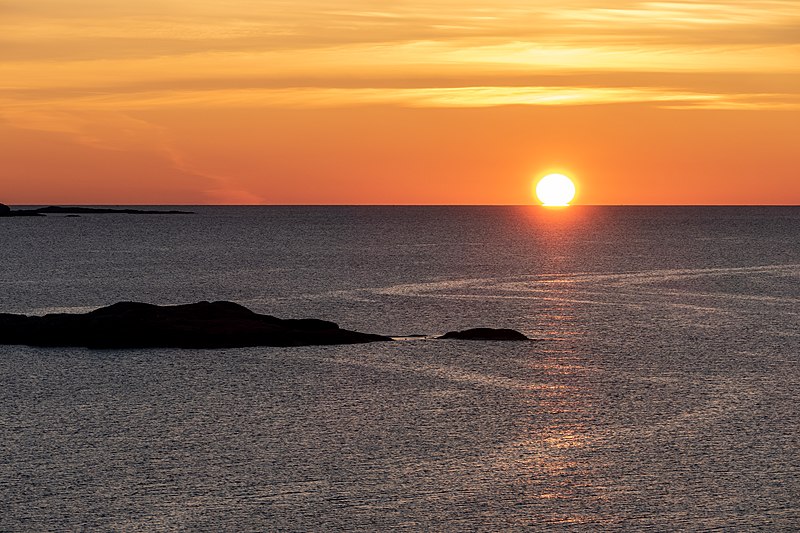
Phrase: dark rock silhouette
[486,334]
[198,325]
[21,213]
[5,211]
[58,210]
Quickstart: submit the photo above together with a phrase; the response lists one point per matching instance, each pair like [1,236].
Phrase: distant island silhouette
[197,325]
[6,211]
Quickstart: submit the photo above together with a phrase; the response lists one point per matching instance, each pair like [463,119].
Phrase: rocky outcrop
[198,325]
[58,210]
[5,211]
[20,213]
[486,334]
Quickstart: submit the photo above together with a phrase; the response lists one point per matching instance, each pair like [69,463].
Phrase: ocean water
[661,393]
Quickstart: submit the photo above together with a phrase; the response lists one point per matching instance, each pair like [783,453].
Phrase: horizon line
[392,205]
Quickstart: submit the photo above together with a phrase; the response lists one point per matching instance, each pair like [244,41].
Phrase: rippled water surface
[661,394]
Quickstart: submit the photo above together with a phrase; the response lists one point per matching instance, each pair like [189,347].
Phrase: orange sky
[389,102]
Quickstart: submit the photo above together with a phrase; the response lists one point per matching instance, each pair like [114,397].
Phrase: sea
[660,393]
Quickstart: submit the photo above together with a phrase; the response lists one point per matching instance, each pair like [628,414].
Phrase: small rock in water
[486,334]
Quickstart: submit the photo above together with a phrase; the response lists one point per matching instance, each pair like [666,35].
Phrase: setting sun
[555,190]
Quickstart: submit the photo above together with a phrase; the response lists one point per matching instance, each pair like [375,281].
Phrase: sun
[555,190]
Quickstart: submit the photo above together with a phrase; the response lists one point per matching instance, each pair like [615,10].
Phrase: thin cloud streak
[96,30]
[108,128]
[26,113]
[417,59]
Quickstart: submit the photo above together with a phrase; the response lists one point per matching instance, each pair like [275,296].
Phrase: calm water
[662,395]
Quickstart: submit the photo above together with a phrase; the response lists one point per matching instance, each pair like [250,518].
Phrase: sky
[398,102]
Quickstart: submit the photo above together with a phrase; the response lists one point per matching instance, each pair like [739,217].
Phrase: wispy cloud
[96,53]
[100,29]
[103,127]
[29,114]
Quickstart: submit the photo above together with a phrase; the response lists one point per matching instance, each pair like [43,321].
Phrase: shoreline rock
[6,211]
[198,325]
